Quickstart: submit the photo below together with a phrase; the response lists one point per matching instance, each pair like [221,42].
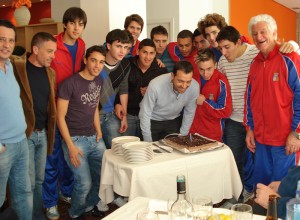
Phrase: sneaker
[119,201]
[102,206]
[52,213]
[95,212]
[64,198]
[226,205]
[247,195]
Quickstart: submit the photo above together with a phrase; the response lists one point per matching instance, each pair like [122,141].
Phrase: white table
[212,173]
[130,210]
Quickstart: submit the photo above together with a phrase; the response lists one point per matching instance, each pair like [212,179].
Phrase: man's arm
[222,108]
[190,109]
[124,102]
[62,108]
[97,124]
[248,120]
[146,109]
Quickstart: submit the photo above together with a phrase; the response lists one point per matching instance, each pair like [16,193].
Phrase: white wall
[186,13]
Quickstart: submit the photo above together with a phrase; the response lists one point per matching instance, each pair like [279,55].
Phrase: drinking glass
[202,206]
[241,211]
[147,215]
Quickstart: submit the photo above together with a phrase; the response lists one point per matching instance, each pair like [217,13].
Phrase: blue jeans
[110,126]
[57,170]
[134,128]
[235,138]
[37,143]
[14,168]
[87,175]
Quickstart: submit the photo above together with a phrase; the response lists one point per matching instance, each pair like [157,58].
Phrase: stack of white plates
[116,146]
[137,152]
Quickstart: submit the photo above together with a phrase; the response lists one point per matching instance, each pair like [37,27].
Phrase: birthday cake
[190,143]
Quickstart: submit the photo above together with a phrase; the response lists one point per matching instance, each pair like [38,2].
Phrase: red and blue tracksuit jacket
[272,98]
[209,117]
[176,56]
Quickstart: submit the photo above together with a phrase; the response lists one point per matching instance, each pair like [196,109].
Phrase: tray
[213,146]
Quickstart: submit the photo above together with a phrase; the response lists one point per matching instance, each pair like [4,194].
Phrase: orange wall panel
[38,10]
[241,12]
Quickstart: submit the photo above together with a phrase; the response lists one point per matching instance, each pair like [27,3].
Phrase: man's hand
[73,153]
[274,185]
[250,141]
[200,99]
[119,111]
[143,90]
[99,136]
[2,149]
[160,63]
[292,144]
[286,47]
[124,125]
[262,195]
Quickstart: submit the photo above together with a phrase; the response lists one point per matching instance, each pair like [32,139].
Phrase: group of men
[70,104]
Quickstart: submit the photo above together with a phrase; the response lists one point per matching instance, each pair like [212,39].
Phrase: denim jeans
[87,175]
[37,143]
[134,128]
[110,126]
[14,168]
[58,175]
[235,138]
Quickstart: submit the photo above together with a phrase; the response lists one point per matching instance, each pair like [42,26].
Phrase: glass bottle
[272,208]
[181,208]
[293,206]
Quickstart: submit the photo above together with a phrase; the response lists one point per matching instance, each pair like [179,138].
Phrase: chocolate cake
[191,143]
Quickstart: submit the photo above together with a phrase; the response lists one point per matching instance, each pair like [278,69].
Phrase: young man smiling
[79,125]
[69,56]
[144,68]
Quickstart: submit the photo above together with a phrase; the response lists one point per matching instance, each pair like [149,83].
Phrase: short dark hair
[131,40]
[205,55]
[95,48]
[185,34]
[184,66]
[40,38]
[196,33]
[117,35]
[158,30]
[229,33]
[7,24]
[74,13]
[147,42]
[134,17]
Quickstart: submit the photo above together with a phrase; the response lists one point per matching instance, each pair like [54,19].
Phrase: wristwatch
[297,135]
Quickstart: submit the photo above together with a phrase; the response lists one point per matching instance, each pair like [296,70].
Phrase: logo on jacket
[211,96]
[276,77]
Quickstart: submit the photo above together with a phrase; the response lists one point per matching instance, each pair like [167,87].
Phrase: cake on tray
[190,143]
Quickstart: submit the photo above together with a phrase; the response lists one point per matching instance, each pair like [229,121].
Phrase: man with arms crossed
[165,98]
[37,81]
[14,152]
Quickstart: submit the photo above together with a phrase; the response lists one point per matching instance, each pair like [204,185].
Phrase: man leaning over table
[166,96]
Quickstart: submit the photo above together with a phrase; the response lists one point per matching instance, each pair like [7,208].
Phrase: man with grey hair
[272,104]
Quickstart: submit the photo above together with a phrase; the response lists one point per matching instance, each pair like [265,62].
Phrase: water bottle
[181,209]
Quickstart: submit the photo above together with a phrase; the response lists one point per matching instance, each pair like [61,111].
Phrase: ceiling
[6,3]
[291,4]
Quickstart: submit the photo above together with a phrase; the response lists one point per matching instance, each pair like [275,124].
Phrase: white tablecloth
[130,210]
[213,173]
